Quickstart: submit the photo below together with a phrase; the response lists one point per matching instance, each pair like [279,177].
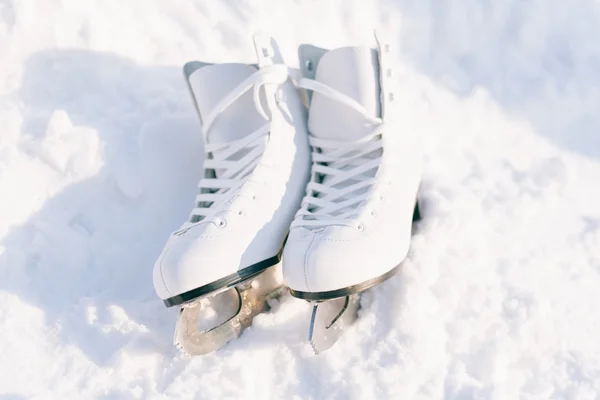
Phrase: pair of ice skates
[330,194]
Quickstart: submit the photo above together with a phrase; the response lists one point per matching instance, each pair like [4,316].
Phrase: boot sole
[227,282]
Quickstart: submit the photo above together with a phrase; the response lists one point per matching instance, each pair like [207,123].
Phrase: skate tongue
[212,83]
[353,71]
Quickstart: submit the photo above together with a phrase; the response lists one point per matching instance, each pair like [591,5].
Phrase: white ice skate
[256,169]
[354,228]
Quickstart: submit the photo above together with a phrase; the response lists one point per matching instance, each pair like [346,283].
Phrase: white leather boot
[255,173]
[354,227]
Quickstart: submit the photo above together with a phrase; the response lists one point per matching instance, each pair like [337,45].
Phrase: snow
[100,155]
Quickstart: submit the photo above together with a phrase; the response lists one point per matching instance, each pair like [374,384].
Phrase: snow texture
[100,154]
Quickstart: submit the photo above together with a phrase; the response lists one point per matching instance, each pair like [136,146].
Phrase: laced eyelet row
[215,189]
[360,226]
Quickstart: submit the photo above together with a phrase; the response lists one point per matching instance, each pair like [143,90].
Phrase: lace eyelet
[360,227]
[373,213]
[220,223]
[381,198]
[241,212]
[254,197]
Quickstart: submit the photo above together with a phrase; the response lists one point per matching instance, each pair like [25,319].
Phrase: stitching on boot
[306,262]
[160,268]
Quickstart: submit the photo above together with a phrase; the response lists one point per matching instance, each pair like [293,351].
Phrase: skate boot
[219,267]
[354,227]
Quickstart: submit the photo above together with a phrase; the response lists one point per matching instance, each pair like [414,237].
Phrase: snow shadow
[11,396]
[540,63]
[85,258]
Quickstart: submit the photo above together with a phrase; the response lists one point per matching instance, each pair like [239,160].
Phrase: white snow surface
[100,154]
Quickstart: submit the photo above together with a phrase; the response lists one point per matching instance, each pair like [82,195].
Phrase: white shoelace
[342,172]
[228,166]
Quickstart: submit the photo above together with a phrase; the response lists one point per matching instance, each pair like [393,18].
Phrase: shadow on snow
[86,257]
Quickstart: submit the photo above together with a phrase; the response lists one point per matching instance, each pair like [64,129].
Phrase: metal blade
[329,319]
[235,307]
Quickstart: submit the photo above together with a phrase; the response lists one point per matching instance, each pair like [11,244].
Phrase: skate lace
[229,166]
[343,172]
